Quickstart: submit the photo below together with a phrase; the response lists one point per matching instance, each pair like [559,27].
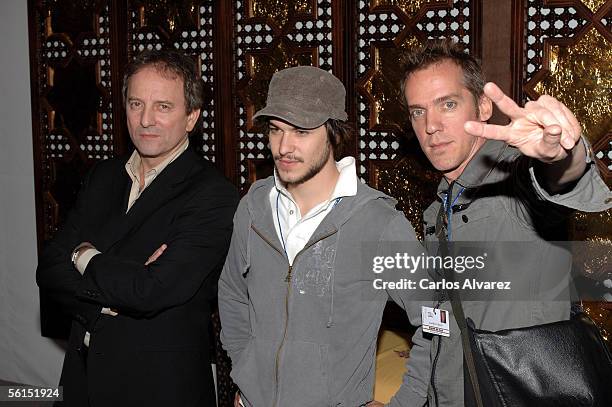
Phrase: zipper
[288,281]
[265,239]
[280,348]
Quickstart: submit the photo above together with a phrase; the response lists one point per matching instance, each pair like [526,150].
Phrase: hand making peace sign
[544,129]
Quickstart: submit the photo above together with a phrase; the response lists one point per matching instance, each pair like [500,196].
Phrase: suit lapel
[164,187]
[116,199]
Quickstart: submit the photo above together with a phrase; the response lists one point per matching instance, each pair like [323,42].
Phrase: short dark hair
[169,61]
[339,133]
[437,51]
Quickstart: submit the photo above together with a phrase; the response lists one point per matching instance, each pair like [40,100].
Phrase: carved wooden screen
[72,100]
[568,54]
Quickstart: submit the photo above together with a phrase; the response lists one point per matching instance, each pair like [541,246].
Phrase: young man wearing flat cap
[294,317]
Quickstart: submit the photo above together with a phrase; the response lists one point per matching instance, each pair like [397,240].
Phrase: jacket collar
[481,168]
[164,187]
[260,210]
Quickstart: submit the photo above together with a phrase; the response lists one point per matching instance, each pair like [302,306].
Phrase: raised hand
[545,129]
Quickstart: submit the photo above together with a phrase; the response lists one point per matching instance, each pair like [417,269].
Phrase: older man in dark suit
[137,261]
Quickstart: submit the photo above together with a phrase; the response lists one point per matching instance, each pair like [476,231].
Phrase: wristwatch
[590,155]
[75,255]
[77,252]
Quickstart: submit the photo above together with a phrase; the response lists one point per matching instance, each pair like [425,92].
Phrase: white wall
[25,357]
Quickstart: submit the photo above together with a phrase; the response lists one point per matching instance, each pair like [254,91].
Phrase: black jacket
[155,352]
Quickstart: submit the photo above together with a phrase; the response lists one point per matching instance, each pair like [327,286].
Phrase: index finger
[502,101]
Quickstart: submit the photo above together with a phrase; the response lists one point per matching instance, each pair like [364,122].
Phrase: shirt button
[291,212]
[464,218]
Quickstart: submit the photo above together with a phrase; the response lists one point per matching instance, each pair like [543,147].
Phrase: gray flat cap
[305,97]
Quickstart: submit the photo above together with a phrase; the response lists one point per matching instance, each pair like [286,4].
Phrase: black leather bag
[563,363]
[560,364]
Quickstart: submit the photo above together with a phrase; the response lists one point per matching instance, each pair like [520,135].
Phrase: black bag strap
[455,300]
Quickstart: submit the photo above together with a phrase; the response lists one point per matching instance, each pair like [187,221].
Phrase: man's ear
[485,108]
[192,119]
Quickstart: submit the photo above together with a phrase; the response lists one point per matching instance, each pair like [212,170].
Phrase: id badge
[435,321]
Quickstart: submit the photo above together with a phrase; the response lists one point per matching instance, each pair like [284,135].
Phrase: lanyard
[280,228]
[448,210]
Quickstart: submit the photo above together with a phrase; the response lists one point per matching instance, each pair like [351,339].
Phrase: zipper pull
[288,278]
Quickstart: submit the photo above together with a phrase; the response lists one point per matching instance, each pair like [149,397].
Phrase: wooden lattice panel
[546,22]
[74,100]
[568,52]
[270,36]
[603,153]
[186,26]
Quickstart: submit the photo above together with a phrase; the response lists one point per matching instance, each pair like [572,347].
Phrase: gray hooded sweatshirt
[305,335]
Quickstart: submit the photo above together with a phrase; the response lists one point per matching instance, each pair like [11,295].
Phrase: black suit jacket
[155,352]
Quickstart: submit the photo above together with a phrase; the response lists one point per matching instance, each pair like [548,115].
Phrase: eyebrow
[166,102]
[439,100]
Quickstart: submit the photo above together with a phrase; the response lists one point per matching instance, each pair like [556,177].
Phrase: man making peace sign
[513,183]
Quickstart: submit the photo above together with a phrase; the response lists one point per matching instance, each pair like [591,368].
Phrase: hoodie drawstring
[330,320]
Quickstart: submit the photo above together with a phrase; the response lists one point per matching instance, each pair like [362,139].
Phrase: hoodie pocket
[253,372]
[304,375]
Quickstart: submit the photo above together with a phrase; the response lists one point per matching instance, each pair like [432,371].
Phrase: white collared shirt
[293,229]
[132,166]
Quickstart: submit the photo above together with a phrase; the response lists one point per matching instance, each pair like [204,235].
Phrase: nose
[432,121]
[147,117]
[286,145]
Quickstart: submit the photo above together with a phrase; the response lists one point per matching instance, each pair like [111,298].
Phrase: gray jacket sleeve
[589,194]
[413,391]
[233,295]
[529,203]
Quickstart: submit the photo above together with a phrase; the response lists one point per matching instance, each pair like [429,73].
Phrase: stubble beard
[313,170]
